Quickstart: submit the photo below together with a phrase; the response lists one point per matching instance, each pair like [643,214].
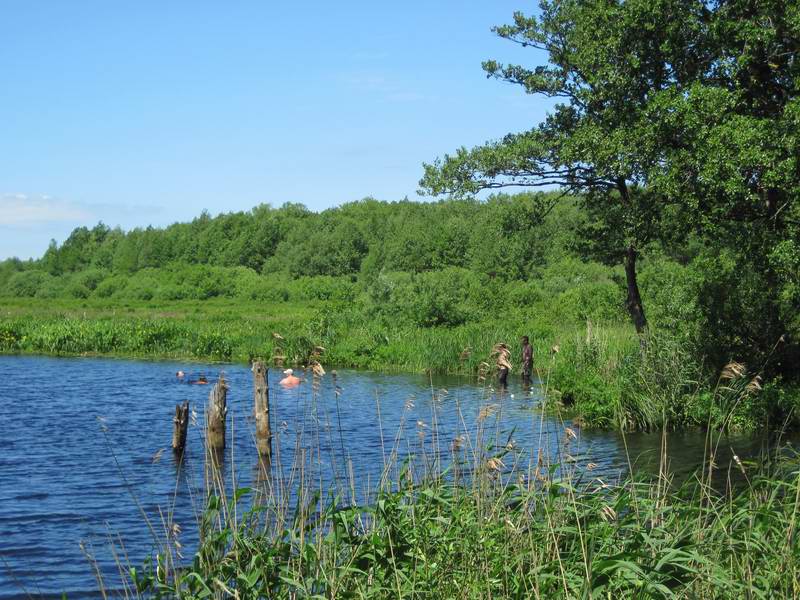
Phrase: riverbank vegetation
[476,517]
[515,540]
[481,272]
[433,287]
[672,159]
[469,513]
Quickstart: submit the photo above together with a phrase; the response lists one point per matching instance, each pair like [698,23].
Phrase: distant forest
[443,263]
[505,236]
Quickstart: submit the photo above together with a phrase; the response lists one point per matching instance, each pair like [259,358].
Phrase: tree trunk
[634,300]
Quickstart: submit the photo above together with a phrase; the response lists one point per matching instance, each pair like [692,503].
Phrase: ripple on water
[80,462]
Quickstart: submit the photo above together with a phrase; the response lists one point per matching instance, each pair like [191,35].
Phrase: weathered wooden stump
[216,414]
[261,399]
[180,425]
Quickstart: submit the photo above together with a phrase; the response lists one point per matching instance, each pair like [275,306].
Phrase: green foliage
[499,538]
[678,123]
[90,278]
[471,274]
[111,286]
[426,299]
[27,283]
[323,287]
[509,236]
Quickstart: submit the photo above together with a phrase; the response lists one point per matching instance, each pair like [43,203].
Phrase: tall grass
[232,330]
[613,379]
[475,516]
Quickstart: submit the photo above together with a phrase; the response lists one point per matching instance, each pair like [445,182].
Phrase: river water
[84,451]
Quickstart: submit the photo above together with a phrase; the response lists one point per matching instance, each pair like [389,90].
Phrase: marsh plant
[475,516]
[653,382]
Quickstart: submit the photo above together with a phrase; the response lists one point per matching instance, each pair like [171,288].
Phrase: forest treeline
[428,264]
[439,264]
[356,238]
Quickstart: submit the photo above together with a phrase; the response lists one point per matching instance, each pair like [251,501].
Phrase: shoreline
[597,371]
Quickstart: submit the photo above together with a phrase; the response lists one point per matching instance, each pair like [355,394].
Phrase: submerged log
[261,399]
[215,415]
[180,425]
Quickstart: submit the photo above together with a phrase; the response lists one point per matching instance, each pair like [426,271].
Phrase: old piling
[215,415]
[180,425]
[261,399]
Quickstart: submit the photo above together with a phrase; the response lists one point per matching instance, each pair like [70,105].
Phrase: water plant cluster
[538,538]
[477,517]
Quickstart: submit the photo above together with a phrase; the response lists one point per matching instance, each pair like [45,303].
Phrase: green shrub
[25,284]
[669,291]
[272,288]
[140,287]
[53,287]
[322,287]
[595,301]
[113,286]
[172,291]
[447,297]
[201,282]
[76,290]
[89,278]
[524,294]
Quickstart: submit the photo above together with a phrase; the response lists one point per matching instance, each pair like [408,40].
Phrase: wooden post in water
[261,398]
[215,415]
[180,424]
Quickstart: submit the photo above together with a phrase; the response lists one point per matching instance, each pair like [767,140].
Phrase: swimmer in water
[180,374]
[200,381]
[289,381]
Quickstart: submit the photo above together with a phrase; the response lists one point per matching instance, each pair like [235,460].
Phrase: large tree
[605,61]
[729,149]
[673,117]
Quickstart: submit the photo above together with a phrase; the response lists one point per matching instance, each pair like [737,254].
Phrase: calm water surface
[81,442]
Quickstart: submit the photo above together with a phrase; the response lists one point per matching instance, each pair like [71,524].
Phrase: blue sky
[139,113]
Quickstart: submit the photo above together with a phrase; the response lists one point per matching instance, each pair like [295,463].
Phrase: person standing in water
[527,360]
[503,363]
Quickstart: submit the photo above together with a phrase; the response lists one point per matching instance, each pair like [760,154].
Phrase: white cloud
[24,209]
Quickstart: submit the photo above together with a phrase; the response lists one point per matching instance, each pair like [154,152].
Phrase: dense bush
[322,287]
[262,287]
[26,284]
[90,278]
[112,286]
[448,297]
